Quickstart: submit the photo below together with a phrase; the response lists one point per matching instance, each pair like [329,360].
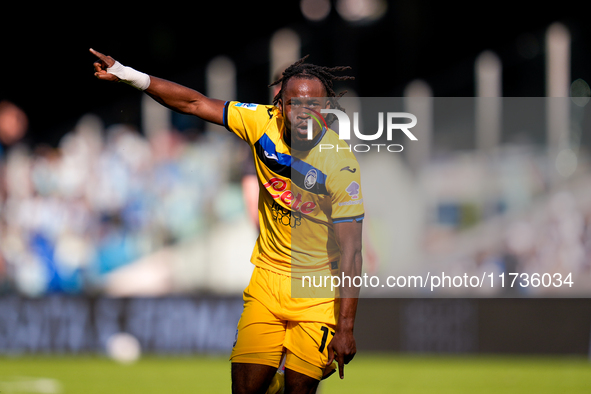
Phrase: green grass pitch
[368,373]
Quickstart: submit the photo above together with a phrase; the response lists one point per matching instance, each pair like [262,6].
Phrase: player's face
[299,96]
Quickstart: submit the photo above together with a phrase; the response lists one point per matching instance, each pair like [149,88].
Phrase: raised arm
[172,95]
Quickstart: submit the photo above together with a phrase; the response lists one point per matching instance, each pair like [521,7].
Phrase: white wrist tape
[132,77]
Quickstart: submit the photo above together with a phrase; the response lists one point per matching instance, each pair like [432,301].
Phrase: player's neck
[302,145]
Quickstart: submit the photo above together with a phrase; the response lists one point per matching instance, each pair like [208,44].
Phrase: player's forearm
[169,94]
[351,264]
[174,96]
[348,310]
[349,235]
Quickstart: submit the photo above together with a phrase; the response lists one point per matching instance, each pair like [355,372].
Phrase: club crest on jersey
[353,190]
[310,179]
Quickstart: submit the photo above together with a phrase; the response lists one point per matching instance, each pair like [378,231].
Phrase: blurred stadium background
[118,216]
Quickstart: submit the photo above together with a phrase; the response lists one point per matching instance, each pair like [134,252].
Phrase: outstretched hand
[100,66]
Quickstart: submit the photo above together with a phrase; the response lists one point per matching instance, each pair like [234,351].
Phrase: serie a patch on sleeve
[250,106]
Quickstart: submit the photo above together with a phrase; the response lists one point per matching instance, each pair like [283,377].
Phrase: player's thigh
[296,382]
[251,378]
[259,336]
[306,344]
[258,348]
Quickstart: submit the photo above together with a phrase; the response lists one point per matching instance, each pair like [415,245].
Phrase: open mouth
[302,128]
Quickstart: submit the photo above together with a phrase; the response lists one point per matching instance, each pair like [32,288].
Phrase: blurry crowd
[102,199]
[105,197]
[554,239]
[538,228]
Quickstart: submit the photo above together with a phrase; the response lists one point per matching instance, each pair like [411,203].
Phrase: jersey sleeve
[246,120]
[344,187]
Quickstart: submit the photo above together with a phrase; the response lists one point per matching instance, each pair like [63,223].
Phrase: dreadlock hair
[300,69]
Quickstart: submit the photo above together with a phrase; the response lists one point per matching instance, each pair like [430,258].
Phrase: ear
[280,105]
[328,104]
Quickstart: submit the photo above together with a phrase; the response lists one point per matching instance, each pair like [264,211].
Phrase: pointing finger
[97,54]
[106,60]
[341,366]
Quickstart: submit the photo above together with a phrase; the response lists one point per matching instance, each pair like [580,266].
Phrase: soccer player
[305,193]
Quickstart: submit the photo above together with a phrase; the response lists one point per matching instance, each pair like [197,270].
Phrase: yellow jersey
[302,193]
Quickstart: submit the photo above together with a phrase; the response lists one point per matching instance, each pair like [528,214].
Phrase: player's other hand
[342,348]
[101,64]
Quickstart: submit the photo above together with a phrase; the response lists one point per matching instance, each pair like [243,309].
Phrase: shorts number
[324,338]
